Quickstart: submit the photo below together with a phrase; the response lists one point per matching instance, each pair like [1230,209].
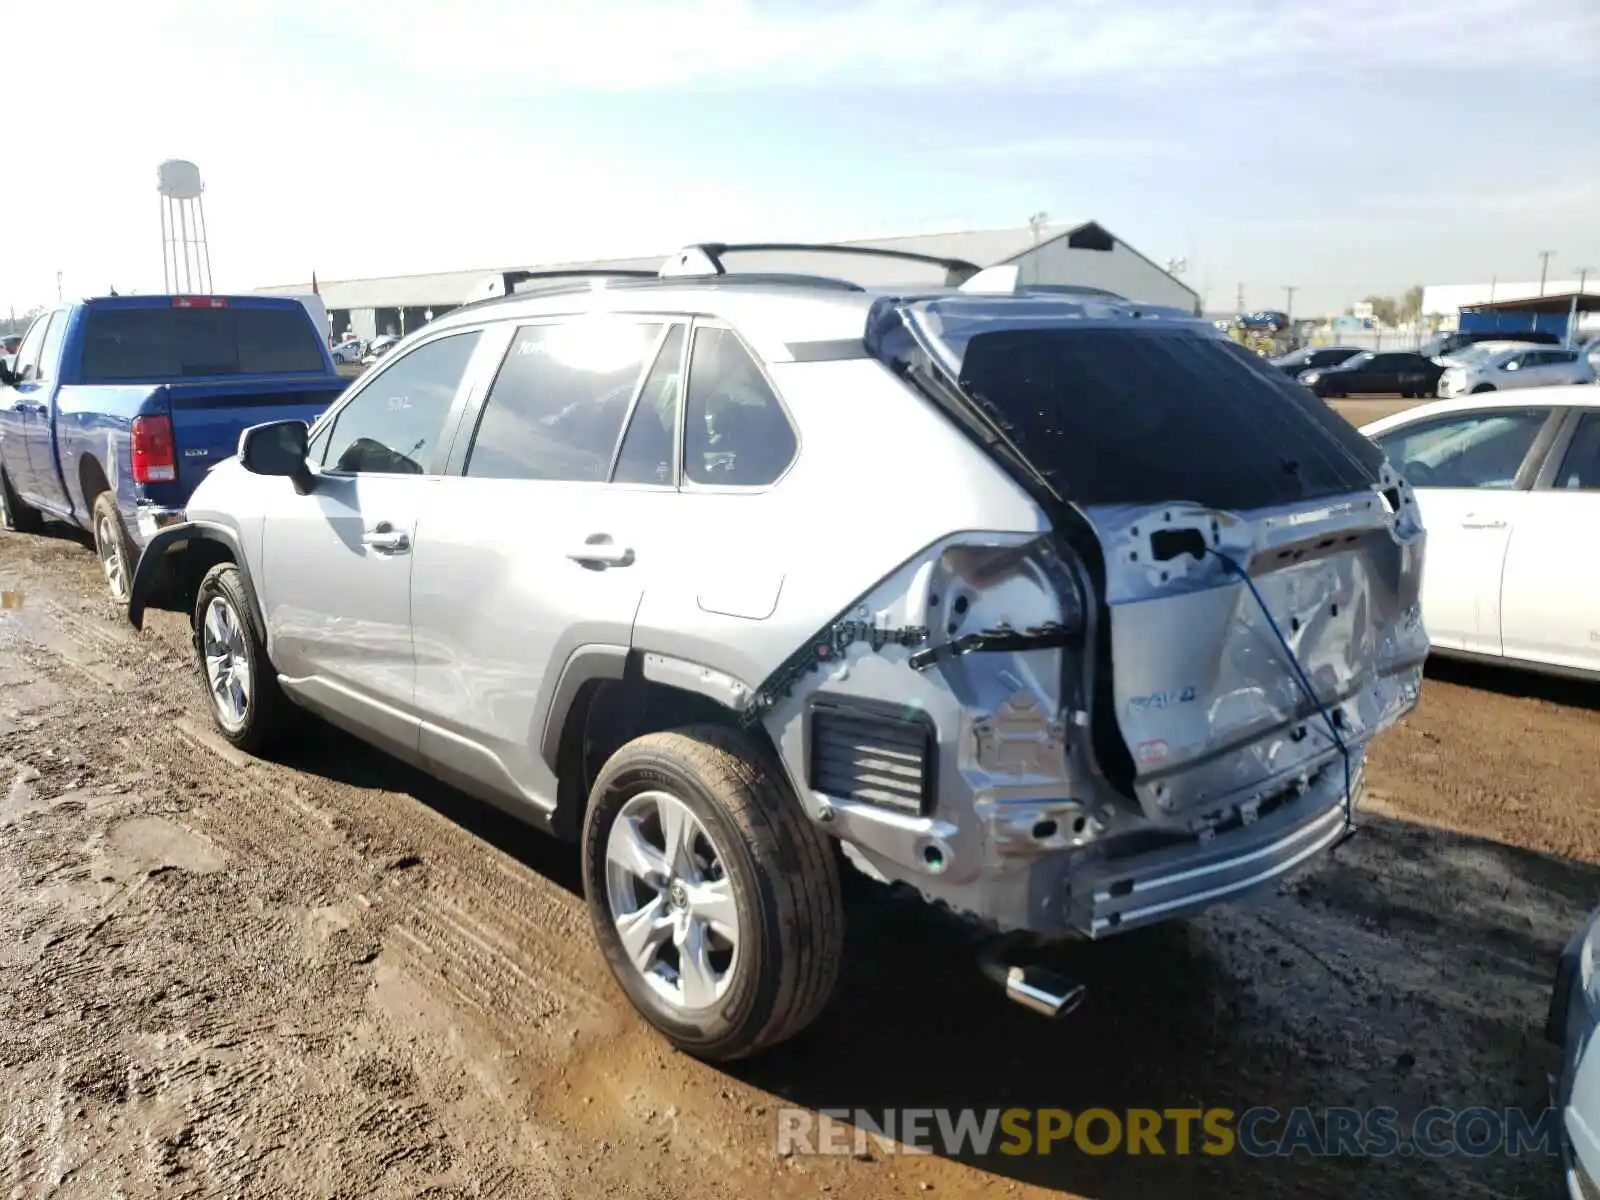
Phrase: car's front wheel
[247,704]
[715,900]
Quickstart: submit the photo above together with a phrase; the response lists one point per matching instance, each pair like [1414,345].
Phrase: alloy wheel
[227,663]
[672,901]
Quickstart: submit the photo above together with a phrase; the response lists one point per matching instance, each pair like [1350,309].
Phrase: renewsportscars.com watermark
[1257,1132]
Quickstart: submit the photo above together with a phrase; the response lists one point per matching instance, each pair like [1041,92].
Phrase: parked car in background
[1442,344]
[351,350]
[1508,485]
[1515,367]
[378,347]
[118,407]
[1312,357]
[1571,1024]
[1380,372]
[576,550]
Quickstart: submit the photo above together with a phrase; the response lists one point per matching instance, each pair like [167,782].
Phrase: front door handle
[598,550]
[386,539]
[1472,521]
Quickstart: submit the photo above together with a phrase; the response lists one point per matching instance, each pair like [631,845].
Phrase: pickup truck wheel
[716,902]
[247,704]
[14,514]
[111,542]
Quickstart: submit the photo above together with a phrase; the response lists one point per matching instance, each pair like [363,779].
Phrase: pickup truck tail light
[153,457]
[199,302]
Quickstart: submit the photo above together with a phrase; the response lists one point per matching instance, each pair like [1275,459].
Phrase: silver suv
[1069,613]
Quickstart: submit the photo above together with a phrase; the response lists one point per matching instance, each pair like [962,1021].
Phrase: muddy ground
[330,976]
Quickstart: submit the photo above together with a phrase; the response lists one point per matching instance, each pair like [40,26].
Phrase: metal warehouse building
[1082,254]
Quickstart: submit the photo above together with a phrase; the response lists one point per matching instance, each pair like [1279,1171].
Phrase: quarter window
[735,431]
[556,408]
[1481,450]
[394,426]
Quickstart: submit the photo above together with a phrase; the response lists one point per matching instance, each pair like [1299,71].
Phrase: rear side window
[173,343]
[735,432]
[556,408]
[1580,469]
[1116,416]
[646,453]
[50,353]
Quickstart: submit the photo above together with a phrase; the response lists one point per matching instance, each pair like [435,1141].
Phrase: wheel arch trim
[175,537]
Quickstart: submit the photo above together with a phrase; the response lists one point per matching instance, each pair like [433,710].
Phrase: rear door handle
[1475,522]
[385,538]
[598,550]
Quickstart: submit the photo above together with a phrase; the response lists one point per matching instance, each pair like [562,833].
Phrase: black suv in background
[1310,358]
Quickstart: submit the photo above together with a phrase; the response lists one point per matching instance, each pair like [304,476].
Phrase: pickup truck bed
[136,398]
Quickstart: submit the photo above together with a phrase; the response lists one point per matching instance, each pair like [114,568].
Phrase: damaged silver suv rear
[1068,612]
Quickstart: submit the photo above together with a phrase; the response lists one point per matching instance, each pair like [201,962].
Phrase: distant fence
[1372,339]
[1364,339]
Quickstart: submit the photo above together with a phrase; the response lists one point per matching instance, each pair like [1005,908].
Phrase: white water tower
[185,257]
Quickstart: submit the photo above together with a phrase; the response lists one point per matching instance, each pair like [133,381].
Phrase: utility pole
[1239,299]
[1572,310]
[1289,289]
[58,285]
[1544,267]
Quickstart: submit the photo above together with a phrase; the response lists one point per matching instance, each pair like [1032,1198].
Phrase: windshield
[172,343]
[1112,414]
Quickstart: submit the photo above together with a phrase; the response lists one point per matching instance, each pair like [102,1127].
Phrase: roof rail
[504,283]
[705,258]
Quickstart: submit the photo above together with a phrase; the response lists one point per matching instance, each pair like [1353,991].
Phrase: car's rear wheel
[715,900]
[1483,387]
[247,704]
[14,514]
[113,547]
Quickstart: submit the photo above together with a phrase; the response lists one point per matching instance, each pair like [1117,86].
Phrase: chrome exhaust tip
[1037,989]
[1042,991]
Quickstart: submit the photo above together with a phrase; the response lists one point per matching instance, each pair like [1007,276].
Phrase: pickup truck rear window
[1114,416]
[124,344]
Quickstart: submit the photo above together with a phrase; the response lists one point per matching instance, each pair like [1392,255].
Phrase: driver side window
[394,426]
[1470,450]
[25,366]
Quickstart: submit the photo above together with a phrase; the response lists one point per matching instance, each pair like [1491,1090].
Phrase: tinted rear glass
[1111,415]
[166,343]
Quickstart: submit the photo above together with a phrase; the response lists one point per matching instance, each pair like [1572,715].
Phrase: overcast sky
[1346,148]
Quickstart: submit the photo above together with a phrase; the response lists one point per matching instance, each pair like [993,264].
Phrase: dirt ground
[331,977]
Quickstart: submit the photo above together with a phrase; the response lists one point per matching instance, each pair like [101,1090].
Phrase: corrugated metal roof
[985,247]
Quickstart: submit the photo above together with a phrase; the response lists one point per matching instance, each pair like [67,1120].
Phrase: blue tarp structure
[1549,314]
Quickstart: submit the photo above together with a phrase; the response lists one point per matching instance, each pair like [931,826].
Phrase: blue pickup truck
[114,408]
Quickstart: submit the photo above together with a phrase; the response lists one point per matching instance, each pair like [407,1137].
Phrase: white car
[1514,367]
[1508,486]
[349,351]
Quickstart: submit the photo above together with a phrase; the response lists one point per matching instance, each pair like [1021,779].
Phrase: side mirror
[1513,365]
[7,379]
[276,448]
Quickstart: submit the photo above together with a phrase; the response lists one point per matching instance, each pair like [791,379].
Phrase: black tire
[784,881]
[266,711]
[113,547]
[1483,387]
[14,514]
